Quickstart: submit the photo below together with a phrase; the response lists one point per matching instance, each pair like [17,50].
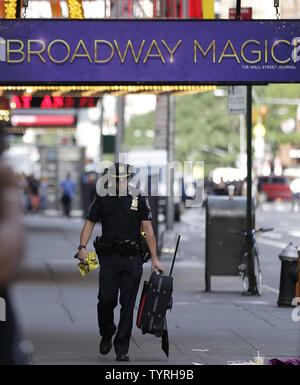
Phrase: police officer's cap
[120,170]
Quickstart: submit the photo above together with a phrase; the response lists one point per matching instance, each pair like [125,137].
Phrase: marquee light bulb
[75,9]
[10,9]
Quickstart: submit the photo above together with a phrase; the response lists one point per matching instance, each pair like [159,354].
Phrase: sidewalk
[57,310]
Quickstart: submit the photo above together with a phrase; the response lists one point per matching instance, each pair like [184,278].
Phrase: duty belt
[126,248]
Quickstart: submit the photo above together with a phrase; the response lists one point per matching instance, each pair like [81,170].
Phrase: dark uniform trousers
[122,274]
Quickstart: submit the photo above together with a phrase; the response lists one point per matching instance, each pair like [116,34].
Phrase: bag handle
[177,244]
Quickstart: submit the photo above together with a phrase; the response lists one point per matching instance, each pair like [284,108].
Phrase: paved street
[57,307]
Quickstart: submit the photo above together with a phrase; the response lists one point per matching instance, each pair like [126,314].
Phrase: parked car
[273,187]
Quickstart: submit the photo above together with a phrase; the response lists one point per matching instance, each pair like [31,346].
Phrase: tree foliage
[278,113]
[203,126]
[136,131]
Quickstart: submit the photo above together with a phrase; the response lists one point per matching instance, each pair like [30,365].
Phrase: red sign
[246,13]
[52,102]
[42,120]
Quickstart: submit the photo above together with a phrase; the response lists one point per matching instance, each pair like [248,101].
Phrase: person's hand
[83,253]
[157,265]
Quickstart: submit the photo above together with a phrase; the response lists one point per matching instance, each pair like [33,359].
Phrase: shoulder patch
[147,203]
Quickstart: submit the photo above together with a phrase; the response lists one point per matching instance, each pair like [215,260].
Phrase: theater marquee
[149,52]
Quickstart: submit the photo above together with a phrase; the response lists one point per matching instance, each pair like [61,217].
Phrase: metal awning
[99,91]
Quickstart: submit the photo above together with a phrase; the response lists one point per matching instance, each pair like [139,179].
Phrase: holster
[144,249]
[102,247]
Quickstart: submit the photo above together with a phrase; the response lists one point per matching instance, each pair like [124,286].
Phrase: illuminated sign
[149,52]
[43,120]
[52,102]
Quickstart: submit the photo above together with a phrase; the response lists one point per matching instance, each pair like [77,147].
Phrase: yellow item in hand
[92,264]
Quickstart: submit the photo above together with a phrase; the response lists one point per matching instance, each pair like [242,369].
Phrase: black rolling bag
[155,300]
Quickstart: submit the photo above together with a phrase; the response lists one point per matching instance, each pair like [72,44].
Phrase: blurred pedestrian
[255,192]
[34,193]
[68,186]
[221,188]
[43,192]
[23,189]
[11,240]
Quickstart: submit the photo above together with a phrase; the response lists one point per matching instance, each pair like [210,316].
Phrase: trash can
[288,275]
[225,220]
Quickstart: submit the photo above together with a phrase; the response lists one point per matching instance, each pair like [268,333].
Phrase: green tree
[278,113]
[137,131]
[202,127]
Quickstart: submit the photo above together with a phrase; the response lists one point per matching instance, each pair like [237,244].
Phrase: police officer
[122,214]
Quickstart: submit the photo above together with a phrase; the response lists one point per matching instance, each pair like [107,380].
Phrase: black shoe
[105,345]
[122,357]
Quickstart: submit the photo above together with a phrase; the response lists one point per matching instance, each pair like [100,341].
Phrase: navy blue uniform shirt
[120,216]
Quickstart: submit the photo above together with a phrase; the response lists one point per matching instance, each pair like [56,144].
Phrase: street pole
[249,157]
[101,129]
[19,9]
[120,126]
[119,14]
[238,9]
[251,277]
[171,150]
[171,157]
